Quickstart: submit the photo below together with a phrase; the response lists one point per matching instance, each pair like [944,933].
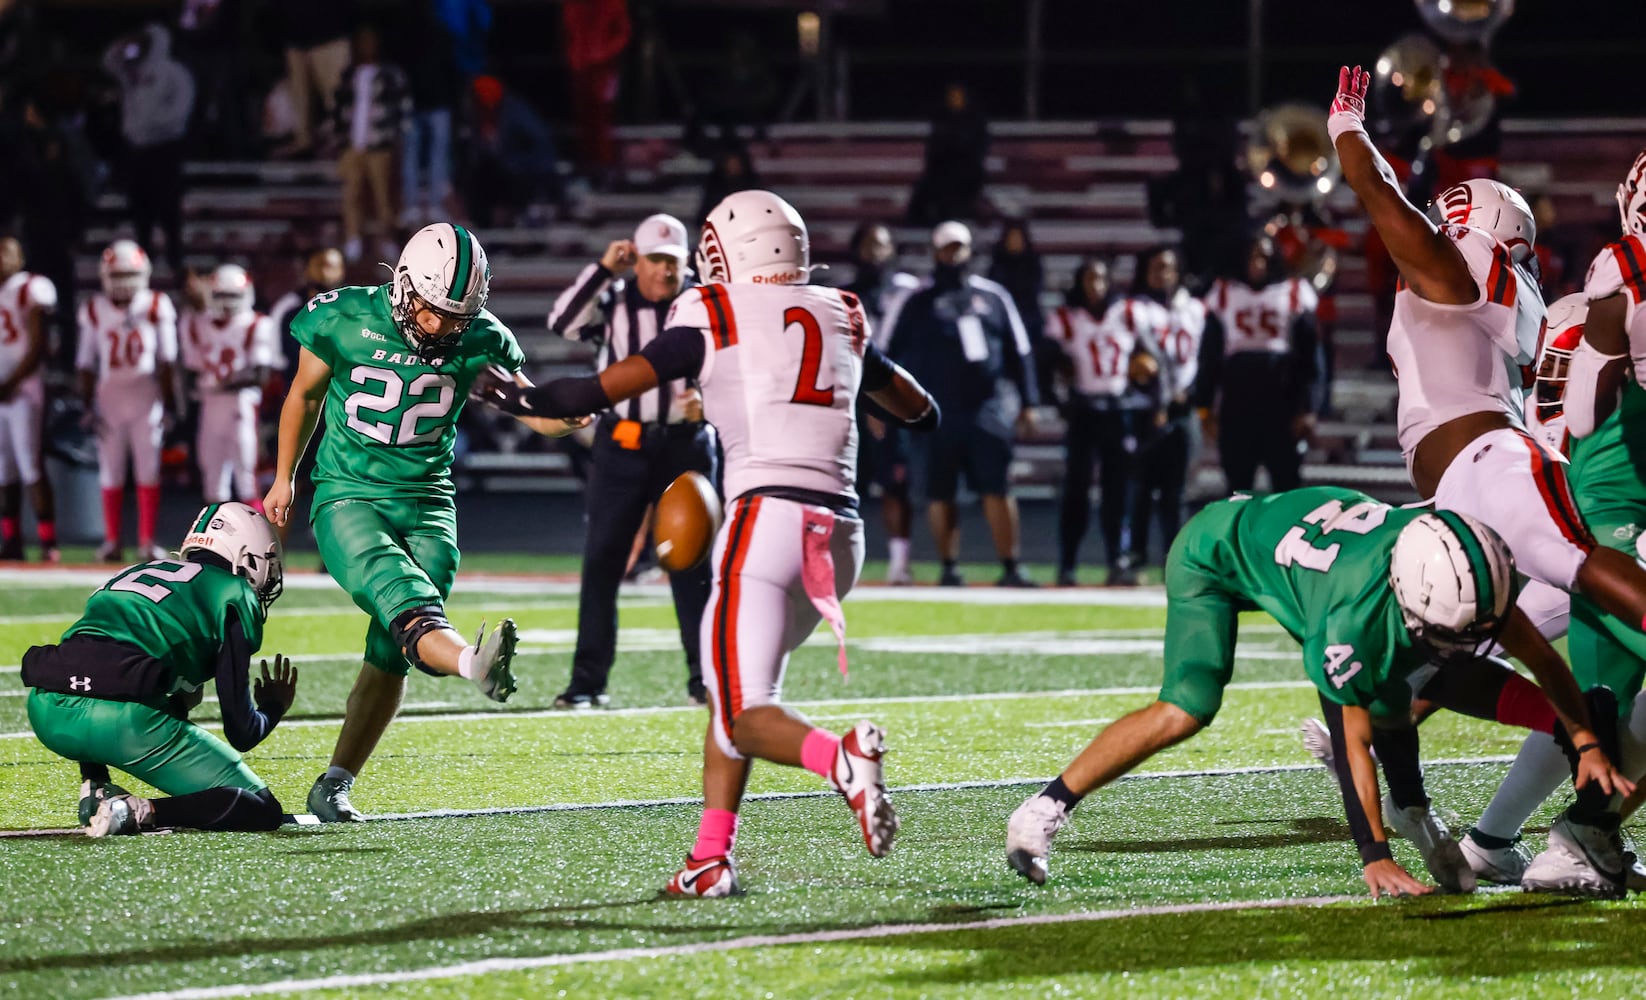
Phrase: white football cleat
[1317,739]
[1428,833]
[859,777]
[1601,850]
[1560,871]
[706,878]
[1497,865]
[492,656]
[1029,836]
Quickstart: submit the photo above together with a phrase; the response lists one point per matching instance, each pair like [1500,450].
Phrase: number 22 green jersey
[391,417]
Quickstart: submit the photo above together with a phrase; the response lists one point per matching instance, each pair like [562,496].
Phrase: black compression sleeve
[564,397]
[1360,825]
[243,725]
[676,353]
[878,370]
[223,808]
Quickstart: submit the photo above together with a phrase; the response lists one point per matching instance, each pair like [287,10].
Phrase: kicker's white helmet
[124,271]
[1564,328]
[1491,206]
[754,236]
[444,265]
[1454,579]
[230,292]
[244,539]
[1631,198]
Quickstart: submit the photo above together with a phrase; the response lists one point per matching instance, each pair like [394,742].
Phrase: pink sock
[148,513]
[715,834]
[817,753]
[10,528]
[48,532]
[113,500]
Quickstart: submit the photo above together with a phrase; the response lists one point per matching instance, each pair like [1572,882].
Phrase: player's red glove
[1348,112]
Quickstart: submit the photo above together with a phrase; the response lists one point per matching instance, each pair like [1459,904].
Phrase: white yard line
[492,966]
[598,713]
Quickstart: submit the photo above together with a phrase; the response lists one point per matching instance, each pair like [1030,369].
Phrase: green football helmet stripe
[465,263]
[1486,599]
[205,518]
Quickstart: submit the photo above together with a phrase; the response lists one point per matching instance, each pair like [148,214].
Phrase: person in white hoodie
[156,100]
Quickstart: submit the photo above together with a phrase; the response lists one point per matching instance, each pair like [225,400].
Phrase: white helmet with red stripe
[124,271]
[1631,198]
[230,292]
[1493,207]
[1563,330]
[754,236]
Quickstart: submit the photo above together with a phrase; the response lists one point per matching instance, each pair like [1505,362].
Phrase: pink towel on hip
[817,573]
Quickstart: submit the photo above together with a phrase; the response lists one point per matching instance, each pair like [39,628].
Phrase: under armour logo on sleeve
[79,683]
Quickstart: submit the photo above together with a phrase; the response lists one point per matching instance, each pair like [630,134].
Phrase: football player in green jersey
[116,691]
[1373,593]
[392,366]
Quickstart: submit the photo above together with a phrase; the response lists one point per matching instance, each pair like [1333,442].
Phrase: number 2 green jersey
[177,612]
[1317,559]
[391,417]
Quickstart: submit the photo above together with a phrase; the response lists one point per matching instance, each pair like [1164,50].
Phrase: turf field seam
[499,965]
[601,713]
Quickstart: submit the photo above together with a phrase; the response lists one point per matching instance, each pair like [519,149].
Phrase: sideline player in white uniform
[128,345]
[1467,318]
[231,348]
[25,301]
[780,363]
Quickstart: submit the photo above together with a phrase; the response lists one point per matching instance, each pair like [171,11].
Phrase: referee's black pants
[1107,438]
[1249,436]
[623,482]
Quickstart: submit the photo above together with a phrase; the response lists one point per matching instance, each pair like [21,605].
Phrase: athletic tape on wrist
[1344,121]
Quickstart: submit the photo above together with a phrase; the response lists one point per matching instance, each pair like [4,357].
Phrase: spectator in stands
[315,34]
[961,336]
[211,42]
[1015,266]
[156,100]
[53,165]
[1260,369]
[1161,307]
[468,24]
[371,109]
[512,160]
[322,272]
[882,449]
[957,151]
[732,170]
[596,33]
[427,54]
[1105,358]
[22,52]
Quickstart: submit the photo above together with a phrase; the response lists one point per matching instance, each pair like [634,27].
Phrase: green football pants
[390,556]
[146,742]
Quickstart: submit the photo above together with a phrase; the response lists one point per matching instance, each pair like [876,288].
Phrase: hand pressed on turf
[1386,878]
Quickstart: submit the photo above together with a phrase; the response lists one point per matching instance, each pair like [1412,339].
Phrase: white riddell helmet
[1454,579]
[444,265]
[124,271]
[1563,330]
[230,292]
[1493,207]
[754,236]
[245,540]
[1631,198]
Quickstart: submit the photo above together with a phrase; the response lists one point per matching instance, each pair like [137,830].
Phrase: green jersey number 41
[1296,548]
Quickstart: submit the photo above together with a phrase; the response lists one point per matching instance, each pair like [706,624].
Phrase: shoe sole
[1576,887]
[499,676]
[1022,862]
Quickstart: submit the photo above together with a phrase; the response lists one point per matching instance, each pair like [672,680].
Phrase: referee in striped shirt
[640,446]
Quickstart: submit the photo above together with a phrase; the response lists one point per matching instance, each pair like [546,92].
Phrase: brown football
[687,519]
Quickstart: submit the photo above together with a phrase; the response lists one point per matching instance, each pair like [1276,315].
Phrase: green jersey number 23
[1295,548]
[382,392]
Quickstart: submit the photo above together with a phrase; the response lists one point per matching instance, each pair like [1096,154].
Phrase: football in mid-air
[687,519]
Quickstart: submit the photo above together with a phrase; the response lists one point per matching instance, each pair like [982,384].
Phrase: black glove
[499,391]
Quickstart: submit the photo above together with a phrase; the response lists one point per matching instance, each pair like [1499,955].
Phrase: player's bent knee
[1176,723]
[409,628]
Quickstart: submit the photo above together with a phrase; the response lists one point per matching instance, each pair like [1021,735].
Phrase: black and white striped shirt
[611,314]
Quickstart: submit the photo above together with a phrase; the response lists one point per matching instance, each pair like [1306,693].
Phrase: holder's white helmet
[444,265]
[1454,579]
[230,292]
[754,236]
[1493,207]
[245,540]
[124,271]
[1564,328]
[1631,198]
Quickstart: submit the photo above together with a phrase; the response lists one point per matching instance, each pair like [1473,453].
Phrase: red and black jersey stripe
[1631,260]
[724,641]
[1550,478]
[722,321]
[1500,279]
